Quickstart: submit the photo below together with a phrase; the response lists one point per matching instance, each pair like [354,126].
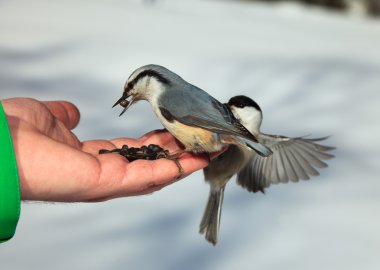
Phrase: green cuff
[9,183]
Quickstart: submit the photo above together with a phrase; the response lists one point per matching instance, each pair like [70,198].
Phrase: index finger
[65,111]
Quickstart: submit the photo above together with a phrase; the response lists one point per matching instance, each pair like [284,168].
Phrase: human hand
[54,165]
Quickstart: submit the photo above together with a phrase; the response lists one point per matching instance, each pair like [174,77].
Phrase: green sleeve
[9,183]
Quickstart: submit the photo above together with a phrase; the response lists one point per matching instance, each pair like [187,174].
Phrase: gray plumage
[211,217]
[199,109]
[218,173]
[293,159]
[175,100]
[203,124]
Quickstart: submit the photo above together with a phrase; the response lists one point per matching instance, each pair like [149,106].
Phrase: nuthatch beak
[124,102]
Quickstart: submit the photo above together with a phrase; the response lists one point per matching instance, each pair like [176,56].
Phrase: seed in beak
[124,103]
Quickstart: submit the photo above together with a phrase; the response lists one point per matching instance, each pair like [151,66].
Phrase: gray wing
[192,106]
[292,159]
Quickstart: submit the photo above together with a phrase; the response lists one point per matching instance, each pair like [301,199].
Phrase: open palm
[55,166]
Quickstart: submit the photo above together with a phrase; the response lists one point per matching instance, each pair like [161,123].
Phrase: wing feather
[293,159]
[201,110]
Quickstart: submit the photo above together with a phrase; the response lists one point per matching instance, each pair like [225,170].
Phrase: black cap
[243,101]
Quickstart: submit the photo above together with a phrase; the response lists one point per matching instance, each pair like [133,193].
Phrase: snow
[312,72]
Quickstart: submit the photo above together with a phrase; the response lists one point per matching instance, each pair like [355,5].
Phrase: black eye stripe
[147,73]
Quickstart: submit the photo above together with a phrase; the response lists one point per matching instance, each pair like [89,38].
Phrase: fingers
[155,133]
[142,176]
[65,111]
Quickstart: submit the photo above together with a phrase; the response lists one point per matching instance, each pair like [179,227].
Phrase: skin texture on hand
[54,165]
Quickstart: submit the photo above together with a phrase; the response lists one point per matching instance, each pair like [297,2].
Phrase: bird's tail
[211,216]
[259,148]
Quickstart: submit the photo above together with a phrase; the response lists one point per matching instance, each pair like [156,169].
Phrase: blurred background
[314,68]
[360,7]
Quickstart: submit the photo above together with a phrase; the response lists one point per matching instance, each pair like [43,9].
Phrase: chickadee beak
[124,103]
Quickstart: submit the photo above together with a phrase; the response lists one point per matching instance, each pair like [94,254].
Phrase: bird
[197,120]
[292,159]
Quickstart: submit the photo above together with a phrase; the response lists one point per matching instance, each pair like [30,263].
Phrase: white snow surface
[312,72]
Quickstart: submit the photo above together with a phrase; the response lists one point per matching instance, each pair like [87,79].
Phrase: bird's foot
[174,157]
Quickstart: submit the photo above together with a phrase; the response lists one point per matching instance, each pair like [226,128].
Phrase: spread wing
[292,159]
[201,110]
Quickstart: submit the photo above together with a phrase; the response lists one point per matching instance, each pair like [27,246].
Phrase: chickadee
[292,159]
[196,119]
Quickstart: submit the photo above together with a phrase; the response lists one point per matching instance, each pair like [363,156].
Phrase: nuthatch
[292,159]
[200,122]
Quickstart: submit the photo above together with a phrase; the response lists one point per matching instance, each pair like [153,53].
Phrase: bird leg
[174,157]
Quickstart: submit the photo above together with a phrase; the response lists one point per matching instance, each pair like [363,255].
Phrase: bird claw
[175,157]
[150,152]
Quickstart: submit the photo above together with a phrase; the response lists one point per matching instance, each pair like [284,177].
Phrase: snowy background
[312,71]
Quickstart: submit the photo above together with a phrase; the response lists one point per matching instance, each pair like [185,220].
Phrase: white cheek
[249,117]
[153,91]
[152,97]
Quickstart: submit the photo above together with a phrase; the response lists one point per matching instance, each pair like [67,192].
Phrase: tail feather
[259,148]
[211,216]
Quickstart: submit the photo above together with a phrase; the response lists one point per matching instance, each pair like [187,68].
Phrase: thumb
[64,111]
